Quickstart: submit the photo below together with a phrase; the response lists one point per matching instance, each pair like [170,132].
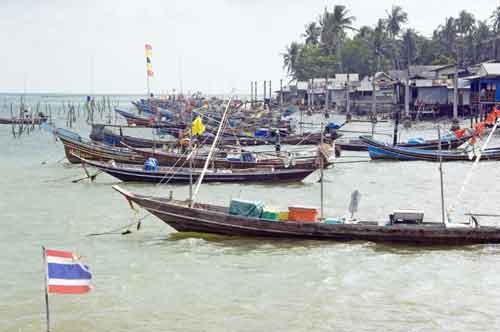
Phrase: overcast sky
[210,45]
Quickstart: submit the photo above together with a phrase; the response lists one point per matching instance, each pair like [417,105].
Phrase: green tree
[290,57]
[312,34]
[482,40]
[396,17]
[495,20]
[357,57]
[409,50]
[333,28]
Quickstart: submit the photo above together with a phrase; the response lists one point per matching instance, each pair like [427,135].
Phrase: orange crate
[302,214]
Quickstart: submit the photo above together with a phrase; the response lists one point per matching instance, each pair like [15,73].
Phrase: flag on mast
[65,273]
[149,66]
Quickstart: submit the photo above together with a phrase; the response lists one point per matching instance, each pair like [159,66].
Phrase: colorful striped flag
[149,66]
[65,274]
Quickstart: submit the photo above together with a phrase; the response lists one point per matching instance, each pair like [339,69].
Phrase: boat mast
[441,175]
[321,164]
[210,153]
[190,160]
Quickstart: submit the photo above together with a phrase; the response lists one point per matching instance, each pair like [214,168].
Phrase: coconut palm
[448,33]
[495,20]
[395,20]
[312,34]
[409,46]
[481,39]
[465,23]
[290,57]
[396,17]
[333,27]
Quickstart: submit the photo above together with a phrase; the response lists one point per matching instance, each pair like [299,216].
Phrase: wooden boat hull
[360,145]
[205,218]
[129,173]
[381,151]
[135,120]
[170,159]
[74,146]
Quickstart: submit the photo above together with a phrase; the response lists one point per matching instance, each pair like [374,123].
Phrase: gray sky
[214,46]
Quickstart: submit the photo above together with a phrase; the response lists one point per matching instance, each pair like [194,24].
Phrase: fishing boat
[75,145]
[136,120]
[183,216]
[228,160]
[183,175]
[448,143]
[100,133]
[383,151]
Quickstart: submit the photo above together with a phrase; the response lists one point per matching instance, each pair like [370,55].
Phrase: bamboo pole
[46,272]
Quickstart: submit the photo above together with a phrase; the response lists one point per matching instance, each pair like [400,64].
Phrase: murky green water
[159,280]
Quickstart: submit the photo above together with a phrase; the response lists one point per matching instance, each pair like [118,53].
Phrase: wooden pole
[348,96]
[441,176]
[326,92]
[281,92]
[255,86]
[265,89]
[407,97]
[374,105]
[322,216]
[396,125]
[455,93]
[270,94]
[191,162]
[251,94]
[46,272]
[312,92]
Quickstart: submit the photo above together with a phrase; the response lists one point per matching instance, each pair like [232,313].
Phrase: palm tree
[395,19]
[312,34]
[447,34]
[465,22]
[495,20]
[482,36]
[379,42]
[409,46]
[465,26]
[333,27]
[291,56]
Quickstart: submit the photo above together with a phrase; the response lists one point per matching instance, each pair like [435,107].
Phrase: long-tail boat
[229,161]
[250,219]
[74,144]
[136,120]
[101,134]
[446,144]
[137,173]
[207,218]
[378,150]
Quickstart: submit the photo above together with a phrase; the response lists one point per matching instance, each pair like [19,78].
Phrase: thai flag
[65,274]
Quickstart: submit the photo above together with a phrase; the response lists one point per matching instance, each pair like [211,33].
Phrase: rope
[458,200]
[120,229]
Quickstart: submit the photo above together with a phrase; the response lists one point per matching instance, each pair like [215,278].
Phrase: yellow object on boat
[283,216]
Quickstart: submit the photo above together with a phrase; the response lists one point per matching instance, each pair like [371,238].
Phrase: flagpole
[47,314]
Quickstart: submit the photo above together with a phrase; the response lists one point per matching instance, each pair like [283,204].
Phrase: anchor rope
[468,177]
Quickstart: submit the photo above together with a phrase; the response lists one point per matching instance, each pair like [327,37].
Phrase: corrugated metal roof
[489,69]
